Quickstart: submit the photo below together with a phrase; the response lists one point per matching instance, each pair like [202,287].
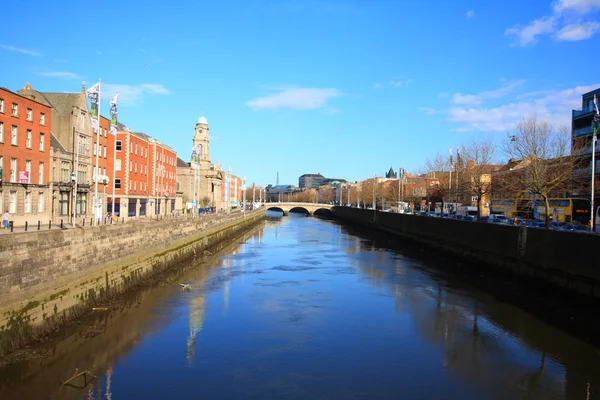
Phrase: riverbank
[573,313]
[56,277]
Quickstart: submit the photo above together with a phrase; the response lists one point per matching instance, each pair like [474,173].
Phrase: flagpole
[96,211]
[113,131]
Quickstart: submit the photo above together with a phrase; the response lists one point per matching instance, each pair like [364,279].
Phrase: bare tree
[477,177]
[546,166]
[438,168]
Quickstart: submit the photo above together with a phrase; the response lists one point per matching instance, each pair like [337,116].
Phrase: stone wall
[566,259]
[48,273]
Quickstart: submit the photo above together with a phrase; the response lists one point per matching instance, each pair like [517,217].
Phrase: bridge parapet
[311,208]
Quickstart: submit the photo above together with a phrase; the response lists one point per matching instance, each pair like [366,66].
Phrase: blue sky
[345,88]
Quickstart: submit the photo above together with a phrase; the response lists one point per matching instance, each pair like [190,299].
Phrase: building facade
[71,154]
[310,181]
[24,158]
[581,138]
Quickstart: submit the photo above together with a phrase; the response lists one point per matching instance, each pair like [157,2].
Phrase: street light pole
[595,124]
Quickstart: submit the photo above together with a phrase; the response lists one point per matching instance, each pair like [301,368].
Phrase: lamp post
[595,124]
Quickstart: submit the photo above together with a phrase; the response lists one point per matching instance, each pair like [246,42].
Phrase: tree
[476,179]
[438,168]
[546,166]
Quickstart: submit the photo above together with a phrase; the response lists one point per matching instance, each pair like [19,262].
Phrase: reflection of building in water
[197,308]
[109,373]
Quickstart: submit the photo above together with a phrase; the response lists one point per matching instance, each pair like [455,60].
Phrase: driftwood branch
[76,375]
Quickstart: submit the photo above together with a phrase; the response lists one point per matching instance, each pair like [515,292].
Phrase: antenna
[277,181]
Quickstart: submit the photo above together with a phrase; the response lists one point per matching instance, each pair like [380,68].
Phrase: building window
[27,202]
[135,167]
[104,151]
[12,202]
[82,144]
[134,185]
[14,135]
[42,119]
[42,142]
[95,148]
[13,169]
[28,170]
[82,120]
[1,132]
[119,145]
[15,110]
[2,106]
[63,204]
[81,203]
[40,202]
[41,174]
[29,115]
[105,132]
[28,139]
[131,149]
[118,183]
[130,166]
[64,172]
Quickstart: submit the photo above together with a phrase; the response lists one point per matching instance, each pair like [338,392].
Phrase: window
[135,167]
[27,202]
[119,145]
[63,204]
[1,132]
[104,151]
[29,115]
[82,144]
[118,183]
[134,185]
[12,201]
[2,106]
[104,132]
[15,110]
[40,207]
[14,135]
[13,169]
[81,203]
[95,148]
[130,166]
[42,119]
[28,139]
[64,172]
[41,174]
[28,170]
[42,142]
[82,120]
[131,149]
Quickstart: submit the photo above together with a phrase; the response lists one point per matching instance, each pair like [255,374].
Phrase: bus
[569,209]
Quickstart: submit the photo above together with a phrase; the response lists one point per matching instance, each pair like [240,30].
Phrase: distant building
[310,181]
[279,192]
[334,182]
[391,174]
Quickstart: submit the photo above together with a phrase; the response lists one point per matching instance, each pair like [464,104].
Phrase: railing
[582,131]
[583,111]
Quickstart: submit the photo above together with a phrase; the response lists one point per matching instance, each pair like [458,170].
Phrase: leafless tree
[438,168]
[476,178]
[546,166]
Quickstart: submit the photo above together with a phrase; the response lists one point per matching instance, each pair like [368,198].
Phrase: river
[306,308]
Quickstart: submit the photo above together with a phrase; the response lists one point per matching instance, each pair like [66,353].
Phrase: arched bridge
[309,208]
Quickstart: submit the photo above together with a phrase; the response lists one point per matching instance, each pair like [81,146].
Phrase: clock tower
[201,144]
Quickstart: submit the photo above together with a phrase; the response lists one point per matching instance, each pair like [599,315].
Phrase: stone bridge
[307,208]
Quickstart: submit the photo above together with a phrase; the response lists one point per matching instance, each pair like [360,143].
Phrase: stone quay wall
[48,274]
[569,260]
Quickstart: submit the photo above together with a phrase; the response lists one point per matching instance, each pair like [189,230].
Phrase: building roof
[312,176]
[62,102]
[202,120]
[56,144]
[182,164]
[24,96]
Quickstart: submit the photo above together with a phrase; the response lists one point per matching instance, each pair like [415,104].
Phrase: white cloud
[577,6]
[295,99]
[20,50]
[401,83]
[60,74]
[133,94]
[553,106]
[560,23]
[478,98]
[470,14]
[579,31]
[527,35]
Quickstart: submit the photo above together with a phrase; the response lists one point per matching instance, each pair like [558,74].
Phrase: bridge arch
[307,208]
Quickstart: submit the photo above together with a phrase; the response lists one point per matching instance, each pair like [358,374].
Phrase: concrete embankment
[566,260]
[48,278]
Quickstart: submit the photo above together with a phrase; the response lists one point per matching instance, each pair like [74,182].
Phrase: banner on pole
[114,112]
[93,94]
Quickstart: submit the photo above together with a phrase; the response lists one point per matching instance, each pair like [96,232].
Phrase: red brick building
[24,158]
[105,152]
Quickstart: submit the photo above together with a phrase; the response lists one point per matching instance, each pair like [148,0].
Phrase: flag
[450,156]
[596,105]
[93,94]
[458,158]
[114,113]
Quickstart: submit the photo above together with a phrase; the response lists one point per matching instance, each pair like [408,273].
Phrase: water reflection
[305,308]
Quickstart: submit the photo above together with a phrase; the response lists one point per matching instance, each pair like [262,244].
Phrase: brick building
[24,158]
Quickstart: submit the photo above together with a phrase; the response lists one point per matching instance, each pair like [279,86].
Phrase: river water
[305,308]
